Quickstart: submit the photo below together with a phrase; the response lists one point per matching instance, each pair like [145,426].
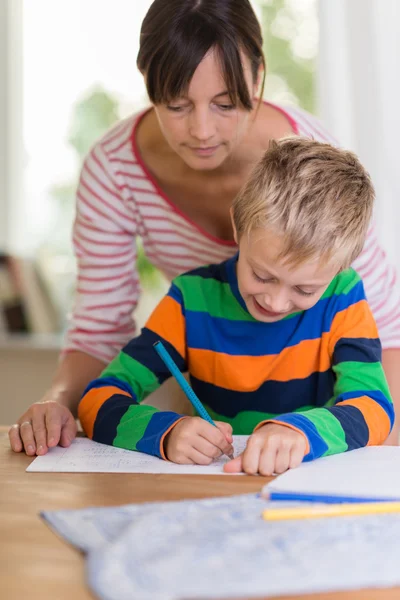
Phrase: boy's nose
[279,303]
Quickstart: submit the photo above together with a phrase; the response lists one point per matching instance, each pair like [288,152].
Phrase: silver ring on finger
[26,423]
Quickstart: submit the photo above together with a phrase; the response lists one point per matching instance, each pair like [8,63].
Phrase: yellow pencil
[330,510]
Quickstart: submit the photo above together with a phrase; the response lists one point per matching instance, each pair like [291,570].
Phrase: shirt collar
[231,265]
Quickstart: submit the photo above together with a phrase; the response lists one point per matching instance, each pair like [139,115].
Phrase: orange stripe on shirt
[248,373]
[91,404]
[356,321]
[162,450]
[167,321]
[375,416]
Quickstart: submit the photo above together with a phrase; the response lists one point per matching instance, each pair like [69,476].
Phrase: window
[290,30]
[79,75]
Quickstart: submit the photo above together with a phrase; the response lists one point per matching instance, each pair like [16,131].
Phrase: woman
[169,174]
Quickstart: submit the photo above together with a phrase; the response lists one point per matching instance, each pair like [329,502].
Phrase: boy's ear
[235,237]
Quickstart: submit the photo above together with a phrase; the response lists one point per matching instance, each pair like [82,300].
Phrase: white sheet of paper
[86,456]
[372,471]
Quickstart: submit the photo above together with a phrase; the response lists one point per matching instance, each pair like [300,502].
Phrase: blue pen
[324,498]
[170,364]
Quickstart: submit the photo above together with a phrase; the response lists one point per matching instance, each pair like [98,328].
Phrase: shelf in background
[30,341]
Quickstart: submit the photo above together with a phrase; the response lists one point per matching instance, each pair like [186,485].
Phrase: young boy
[279,341]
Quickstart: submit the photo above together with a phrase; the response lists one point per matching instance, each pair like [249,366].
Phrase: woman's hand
[273,448]
[42,426]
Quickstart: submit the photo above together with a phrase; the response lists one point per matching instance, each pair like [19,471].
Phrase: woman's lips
[205,151]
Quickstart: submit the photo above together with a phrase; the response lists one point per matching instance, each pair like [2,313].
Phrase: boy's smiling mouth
[267,313]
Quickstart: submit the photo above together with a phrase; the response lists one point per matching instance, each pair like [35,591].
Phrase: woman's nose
[202,126]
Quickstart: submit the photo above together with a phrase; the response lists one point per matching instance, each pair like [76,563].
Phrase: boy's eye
[260,279]
[303,293]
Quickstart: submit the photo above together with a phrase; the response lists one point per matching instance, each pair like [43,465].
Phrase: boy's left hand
[271,449]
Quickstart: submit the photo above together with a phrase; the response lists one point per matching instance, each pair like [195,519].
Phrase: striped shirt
[118,200]
[317,371]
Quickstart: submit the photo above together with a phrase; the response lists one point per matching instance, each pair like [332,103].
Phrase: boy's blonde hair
[318,197]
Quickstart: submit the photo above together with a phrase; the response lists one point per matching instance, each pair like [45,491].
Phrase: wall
[26,374]
[358,90]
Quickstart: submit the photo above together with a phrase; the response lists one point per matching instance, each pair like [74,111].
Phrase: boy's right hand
[195,441]
[42,426]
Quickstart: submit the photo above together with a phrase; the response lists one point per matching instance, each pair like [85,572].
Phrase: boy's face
[272,290]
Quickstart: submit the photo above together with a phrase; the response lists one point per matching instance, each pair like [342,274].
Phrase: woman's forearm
[391,365]
[75,371]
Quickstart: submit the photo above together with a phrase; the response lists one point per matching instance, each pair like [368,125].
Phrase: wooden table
[36,564]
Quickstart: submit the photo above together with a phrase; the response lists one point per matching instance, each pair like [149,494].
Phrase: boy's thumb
[234,466]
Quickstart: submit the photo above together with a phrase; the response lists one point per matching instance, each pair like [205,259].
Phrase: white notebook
[372,471]
[86,456]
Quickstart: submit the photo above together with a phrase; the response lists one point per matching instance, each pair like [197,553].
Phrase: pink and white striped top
[118,200]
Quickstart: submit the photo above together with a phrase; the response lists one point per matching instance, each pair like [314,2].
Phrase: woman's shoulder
[304,123]
[118,140]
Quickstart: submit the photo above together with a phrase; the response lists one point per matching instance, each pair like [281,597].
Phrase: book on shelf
[12,313]
[26,305]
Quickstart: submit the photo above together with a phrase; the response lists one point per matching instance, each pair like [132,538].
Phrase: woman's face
[203,127]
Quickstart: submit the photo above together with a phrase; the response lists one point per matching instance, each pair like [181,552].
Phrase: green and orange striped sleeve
[110,411]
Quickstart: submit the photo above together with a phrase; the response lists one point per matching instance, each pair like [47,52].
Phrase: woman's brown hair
[177,34]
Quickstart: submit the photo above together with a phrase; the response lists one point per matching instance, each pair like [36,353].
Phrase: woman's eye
[175,108]
[226,107]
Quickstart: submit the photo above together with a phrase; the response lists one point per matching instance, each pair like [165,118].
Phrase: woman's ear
[235,236]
